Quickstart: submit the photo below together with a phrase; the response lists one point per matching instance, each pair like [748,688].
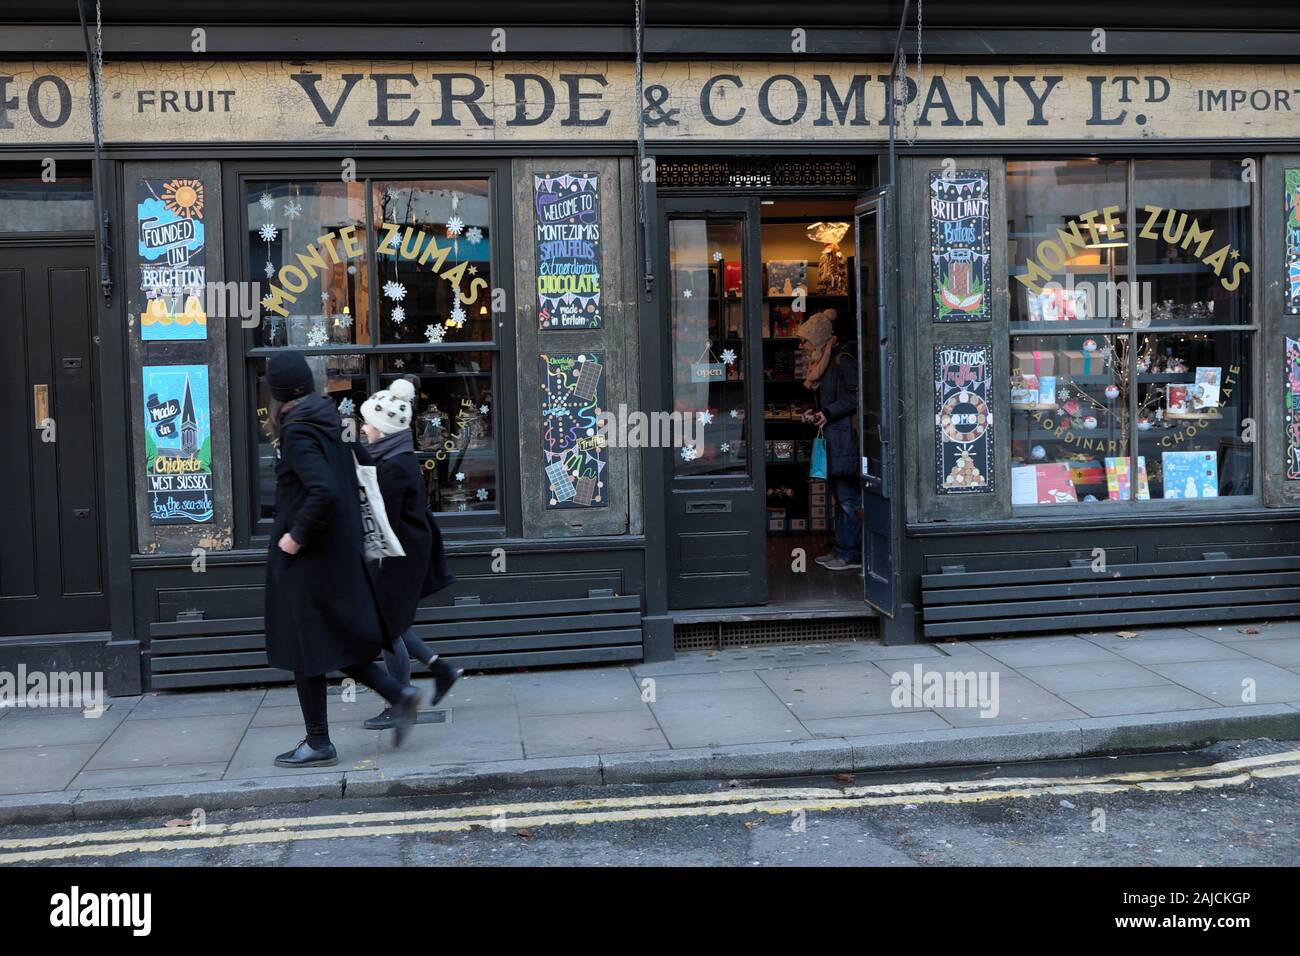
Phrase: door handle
[41,404]
[708,507]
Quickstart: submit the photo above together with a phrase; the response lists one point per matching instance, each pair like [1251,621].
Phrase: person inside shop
[321,608]
[400,583]
[833,379]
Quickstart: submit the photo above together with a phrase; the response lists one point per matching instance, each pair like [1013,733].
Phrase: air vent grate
[718,635]
[759,174]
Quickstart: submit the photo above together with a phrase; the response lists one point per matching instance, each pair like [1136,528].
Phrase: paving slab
[708,680]
[903,721]
[38,769]
[1019,701]
[1092,675]
[1041,652]
[1140,700]
[566,735]
[1139,633]
[843,690]
[1223,681]
[181,740]
[144,776]
[726,717]
[256,753]
[1247,631]
[573,692]
[1172,650]
[198,704]
[471,735]
[59,729]
[1284,652]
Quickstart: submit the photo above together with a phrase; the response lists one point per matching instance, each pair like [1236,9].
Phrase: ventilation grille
[718,635]
[759,174]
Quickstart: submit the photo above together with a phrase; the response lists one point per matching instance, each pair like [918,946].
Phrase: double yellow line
[511,817]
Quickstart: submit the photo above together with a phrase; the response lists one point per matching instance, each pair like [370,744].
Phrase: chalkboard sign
[566,208]
[177,444]
[959,245]
[963,420]
[573,396]
[172,264]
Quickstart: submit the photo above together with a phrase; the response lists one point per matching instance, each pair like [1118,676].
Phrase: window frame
[1258,278]
[243,351]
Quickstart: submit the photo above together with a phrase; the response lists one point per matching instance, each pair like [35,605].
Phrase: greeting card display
[1191,474]
[1205,391]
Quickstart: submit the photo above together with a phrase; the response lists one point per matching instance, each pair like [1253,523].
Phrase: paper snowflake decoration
[399,315]
[266,201]
[317,335]
[474,234]
[268,232]
[455,226]
[395,291]
[688,453]
[344,320]
[687,293]
[717,256]
[347,407]
[325,297]
[269,269]
[457,317]
[728,357]
[460,476]
[401,363]
[436,421]
[434,333]
[481,494]
[725,446]
[472,270]
[734,413]
[391,241]
[292,210]
[705,418]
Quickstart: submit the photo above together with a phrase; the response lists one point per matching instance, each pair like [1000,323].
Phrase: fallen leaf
[1126,634]
[750,824]
[844,777]
[1248,630]
[525,834]
[178,822]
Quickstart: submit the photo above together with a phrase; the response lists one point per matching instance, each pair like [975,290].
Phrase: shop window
[349,270]
[708,340]
[34,205]
[1122,389]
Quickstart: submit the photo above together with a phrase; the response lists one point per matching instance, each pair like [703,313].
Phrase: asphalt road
[1213,807]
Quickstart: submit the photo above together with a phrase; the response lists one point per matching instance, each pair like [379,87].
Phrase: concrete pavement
[769,711]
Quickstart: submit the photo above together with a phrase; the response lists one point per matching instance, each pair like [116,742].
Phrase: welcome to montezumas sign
[198,100]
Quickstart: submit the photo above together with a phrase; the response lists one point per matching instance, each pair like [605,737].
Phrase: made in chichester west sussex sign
[487,101]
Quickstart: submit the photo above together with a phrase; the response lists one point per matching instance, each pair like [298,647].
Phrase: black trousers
[311,697]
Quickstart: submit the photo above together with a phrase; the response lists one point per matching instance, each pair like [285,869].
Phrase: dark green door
[716,509]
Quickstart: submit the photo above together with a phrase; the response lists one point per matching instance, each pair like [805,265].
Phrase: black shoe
[383,721]
[444,676]
[305,755]
[405,711]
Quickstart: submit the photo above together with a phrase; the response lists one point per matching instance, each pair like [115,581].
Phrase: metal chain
[640,171]
[913,130]
[97,93]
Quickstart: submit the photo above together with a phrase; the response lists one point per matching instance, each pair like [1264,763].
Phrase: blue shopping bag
[818,457]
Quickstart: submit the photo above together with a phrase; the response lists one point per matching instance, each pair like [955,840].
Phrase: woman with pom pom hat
[401,582]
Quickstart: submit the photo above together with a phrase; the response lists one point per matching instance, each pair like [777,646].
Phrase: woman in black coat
[321,614]
[401,582]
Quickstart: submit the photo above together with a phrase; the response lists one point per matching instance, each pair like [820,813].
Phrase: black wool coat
[837,398]
[321,613]
[401,582]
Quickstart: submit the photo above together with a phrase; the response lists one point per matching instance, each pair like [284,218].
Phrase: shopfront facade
[1071,289]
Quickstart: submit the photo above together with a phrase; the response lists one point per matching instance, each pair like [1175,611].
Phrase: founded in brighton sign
[476,101]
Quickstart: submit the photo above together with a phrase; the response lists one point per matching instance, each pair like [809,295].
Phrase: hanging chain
[920,73]
[640,171]
[98,92]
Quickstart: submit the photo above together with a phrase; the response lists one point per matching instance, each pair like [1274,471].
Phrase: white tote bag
[377,536]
